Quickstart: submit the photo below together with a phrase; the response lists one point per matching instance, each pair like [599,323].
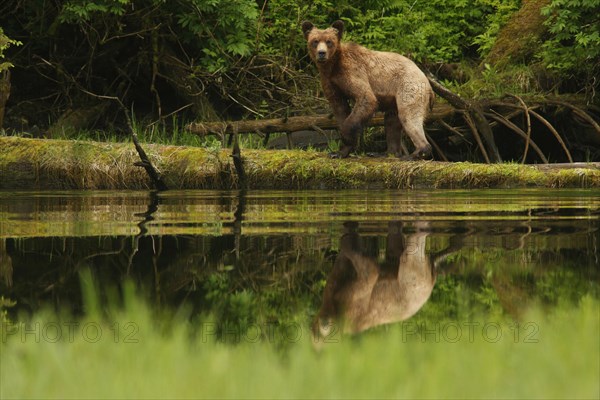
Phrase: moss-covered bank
[63,164]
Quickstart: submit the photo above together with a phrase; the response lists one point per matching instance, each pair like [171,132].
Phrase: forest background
[63,63]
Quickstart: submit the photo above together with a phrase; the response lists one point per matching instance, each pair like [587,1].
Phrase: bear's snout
[322,52]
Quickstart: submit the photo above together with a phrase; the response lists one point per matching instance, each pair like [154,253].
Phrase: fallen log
[483,123]
[34,164]
[294,124]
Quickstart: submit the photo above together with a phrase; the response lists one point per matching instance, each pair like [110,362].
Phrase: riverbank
[65,164]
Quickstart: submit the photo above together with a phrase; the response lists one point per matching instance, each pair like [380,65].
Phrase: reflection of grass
[556,355]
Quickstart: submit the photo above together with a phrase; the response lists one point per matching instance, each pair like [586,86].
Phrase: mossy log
[520,36]
[63,164]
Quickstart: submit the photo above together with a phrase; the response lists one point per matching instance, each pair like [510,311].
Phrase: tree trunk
[4,93]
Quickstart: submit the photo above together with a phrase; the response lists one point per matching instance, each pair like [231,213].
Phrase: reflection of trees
[513,261]
[171,269]
[6,268]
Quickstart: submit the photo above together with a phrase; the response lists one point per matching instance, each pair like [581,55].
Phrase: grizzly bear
[372,80]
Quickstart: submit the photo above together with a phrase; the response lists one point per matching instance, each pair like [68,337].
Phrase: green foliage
[562,286]
[280,25]
[492,81]
[415,28]
[5,304]
[501,10]
[86,10]
[234,310]
[227,26]
[574,43]
[229,58]
[269,314]
[5,43]
[219,29]
[422,31]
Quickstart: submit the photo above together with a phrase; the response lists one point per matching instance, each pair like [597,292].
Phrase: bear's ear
[339,26]
[307,26]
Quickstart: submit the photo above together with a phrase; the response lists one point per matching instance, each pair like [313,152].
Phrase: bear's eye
[315,43]
[329,43]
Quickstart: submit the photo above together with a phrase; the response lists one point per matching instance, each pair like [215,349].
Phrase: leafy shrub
[218,29]
[437,30]
[574,43]
[5,43]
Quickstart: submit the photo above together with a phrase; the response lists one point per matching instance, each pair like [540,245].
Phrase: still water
[326,262]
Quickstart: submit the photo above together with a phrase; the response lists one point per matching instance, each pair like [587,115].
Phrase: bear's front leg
[346,147]
[342,111]
[352,127]
[349,131]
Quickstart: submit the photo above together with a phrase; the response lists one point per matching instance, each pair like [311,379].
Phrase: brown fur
[360,293]
[373,80]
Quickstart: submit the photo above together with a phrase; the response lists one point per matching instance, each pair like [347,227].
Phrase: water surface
[320,261]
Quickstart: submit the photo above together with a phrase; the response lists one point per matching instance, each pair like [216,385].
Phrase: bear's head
[323,43]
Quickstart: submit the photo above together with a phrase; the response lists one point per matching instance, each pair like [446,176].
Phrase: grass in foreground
[134,356]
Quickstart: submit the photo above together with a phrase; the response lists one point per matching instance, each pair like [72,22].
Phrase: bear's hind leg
[413,126]
[393,133]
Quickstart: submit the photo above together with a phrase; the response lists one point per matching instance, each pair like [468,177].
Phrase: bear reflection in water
[361,293]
